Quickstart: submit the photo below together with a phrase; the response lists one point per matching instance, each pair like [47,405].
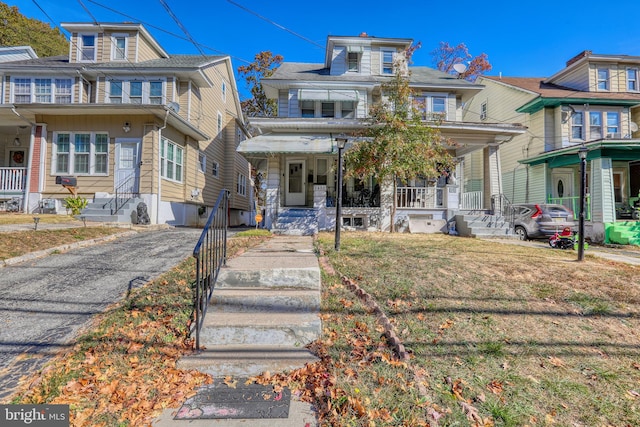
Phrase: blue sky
[520,39]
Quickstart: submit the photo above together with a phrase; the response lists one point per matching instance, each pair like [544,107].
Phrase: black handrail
[210,254]
[124,193]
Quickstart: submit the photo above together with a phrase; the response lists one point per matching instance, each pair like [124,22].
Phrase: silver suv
[532,221]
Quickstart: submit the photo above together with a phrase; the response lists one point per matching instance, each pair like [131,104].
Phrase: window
[171,160]
[43,90]
[241,187]
[224,91]
[219,122]
[595,125]
[87,47]
[353,62]
[22,91]
[387,61]
[322,171]
[348,109]
[214,169]
[577,125]
[603,79]
[119,47]
[613,119]
[431,107]
[63,91]
[115,92]
[135,92]
[483,111]
[85,153]
[307,109]
[328,109]
[202,162]
[439,105]
[632,79]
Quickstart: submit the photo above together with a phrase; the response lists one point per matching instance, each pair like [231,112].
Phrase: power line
[182,27]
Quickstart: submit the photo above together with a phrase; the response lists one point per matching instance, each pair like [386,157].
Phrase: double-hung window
[119,47]
[135,92]
[63,91]
[115,92]
[353,62]
[348,109]
[577,125]
[307,109]
[431,107]
[632,79]
[595,125]
[81,153]
[483,111]
[22,91]
[41,90]
[387,61]
[87,47]
[613,120]
[155,92]
[171,156]
[224,91]
[219,122]
[241,185]
[202,162]
[603,79]
[328,109]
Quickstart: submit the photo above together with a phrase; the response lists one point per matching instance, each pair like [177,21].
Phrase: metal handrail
[210,253]
[124,193]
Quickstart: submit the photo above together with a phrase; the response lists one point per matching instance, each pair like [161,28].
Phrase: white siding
[537,184]
[578,78]
[287,103]
[601,188]
[338,61]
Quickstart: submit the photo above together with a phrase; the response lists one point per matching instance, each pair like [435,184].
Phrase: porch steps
[264,310]
[483,225]
[95,211]
[623,233]
[296,222]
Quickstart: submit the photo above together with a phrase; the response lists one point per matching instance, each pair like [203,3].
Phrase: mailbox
[67,181]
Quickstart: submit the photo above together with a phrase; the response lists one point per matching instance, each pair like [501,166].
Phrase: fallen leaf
[555,361]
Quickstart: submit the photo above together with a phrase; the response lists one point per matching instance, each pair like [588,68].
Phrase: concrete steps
[96,212]
[623,233]
[483,225]
[264,311]
[296,222]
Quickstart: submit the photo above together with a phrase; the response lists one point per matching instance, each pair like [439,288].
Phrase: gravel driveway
[44,303]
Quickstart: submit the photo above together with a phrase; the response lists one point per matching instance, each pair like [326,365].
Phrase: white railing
[419,197]
[472,201]
[12,179]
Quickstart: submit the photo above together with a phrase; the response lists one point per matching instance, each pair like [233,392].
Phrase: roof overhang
[29,113]
[616,149]
[539,103]
[288,143]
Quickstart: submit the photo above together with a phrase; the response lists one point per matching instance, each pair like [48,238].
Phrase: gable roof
[552,95]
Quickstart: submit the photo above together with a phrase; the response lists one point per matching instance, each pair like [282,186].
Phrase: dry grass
[504,334]
[20,218]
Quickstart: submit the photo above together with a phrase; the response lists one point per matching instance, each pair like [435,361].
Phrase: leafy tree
[398,144]
[264,65]
[446,56]
[18,30]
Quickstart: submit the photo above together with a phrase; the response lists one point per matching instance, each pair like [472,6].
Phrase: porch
[12,186]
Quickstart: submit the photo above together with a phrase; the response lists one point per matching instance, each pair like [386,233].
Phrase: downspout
[160,165]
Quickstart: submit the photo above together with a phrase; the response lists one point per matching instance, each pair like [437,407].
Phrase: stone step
[232,300]
[259,328]
[304,278]
[246,361]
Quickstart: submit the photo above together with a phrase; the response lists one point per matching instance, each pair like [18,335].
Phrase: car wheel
[521,233]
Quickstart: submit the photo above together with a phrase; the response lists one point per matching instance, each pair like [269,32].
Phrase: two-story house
[590,103]
[119,115]
[296,151]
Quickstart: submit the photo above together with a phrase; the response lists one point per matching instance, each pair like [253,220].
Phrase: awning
[327,95]
[286,143]
[618,149]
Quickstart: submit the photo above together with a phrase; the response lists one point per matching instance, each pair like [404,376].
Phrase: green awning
[540,102]
[619,149]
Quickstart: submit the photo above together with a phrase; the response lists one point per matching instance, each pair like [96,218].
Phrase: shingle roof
[549,90]
[174,61]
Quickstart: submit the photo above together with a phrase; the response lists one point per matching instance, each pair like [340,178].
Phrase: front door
[127,166]
[562,184]
[295,183]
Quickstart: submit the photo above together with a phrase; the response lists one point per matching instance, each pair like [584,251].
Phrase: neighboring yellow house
[122,116]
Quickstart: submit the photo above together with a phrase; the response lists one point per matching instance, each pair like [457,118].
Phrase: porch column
[320,205]
[35,168]
[603,206]
[492,174]
[273,191]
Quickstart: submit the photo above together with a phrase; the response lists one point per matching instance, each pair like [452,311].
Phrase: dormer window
[87,47]
[603,79]
[353,62]
[387,61]
[119,47]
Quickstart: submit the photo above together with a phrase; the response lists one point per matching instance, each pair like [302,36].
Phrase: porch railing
[13,180]
[124,193]
[210,253]
[472,201]
[573,203]
[419,197]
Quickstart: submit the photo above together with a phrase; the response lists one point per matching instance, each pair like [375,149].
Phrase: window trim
[115,49]
[386,64]
[125,97]
[71,153]
[202,162]
[215,169]
[241,185]
[427,100]
[164,160]
[484,110]
[223,88]
[634,80]
[353,58]
[54,83]
[81,47]
[604,81]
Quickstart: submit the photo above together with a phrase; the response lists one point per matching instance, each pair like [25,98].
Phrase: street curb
[45,252]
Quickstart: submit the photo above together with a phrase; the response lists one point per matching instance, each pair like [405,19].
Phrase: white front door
[127,166]
[296,183]
[562,184]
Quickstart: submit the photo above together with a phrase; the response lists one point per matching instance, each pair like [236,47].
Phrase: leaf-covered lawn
[498,334]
